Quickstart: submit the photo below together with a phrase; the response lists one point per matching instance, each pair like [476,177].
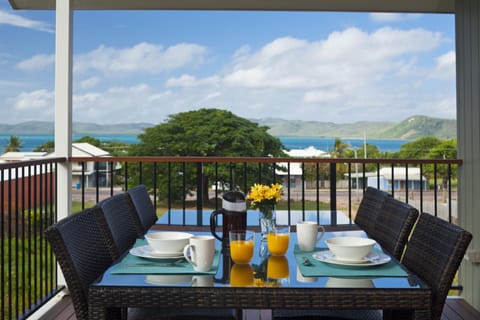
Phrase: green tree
[418,149]
[339,148]
[370,150]
[115,148]
[14,144]
[93,141]
[446,149]
[48,146]
[207,133]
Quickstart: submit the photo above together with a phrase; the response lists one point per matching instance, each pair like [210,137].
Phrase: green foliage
[206,133]
[446,149]
[418,149]
[417,126]
[339,148]
[14,144]
[113,147]
[48,146]
[93,141]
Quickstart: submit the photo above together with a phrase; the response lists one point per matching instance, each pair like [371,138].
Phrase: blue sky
[141,66]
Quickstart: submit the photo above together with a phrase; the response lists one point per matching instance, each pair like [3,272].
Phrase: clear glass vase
[267,221]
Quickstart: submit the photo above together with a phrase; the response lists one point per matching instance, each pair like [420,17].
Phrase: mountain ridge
[413,127]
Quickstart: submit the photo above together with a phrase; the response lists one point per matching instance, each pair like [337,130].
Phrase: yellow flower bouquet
[264,197]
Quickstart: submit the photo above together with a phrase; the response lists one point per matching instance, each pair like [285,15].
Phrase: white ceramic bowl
[167,242]
[350,248]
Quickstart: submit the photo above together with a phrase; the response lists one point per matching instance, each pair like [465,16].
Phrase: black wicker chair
[434,253]
[146,215]
[369,209]
[116,217]
[81,251]
[393,225]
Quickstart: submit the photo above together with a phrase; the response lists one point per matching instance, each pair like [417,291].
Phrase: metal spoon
[307,262]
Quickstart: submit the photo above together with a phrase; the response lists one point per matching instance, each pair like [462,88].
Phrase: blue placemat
[131,264]
[323,269]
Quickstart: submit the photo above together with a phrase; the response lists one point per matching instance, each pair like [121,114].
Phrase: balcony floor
[455,309]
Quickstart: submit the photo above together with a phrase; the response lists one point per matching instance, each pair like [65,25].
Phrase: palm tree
[13,145]
[339,148]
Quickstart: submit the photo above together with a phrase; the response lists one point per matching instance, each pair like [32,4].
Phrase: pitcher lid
[234,200]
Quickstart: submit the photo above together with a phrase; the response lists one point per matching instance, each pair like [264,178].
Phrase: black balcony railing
[28,273]
[179,185]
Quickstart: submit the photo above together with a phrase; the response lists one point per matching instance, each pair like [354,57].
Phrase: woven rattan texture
[118,223]
[183,314]
[256,298]
[434,252]
[369,209]
[79,246]
[143,206]
[393,226]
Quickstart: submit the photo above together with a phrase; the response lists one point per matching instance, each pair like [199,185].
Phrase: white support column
[467,33]
[63,103]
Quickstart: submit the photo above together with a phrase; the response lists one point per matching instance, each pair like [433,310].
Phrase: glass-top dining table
[267,283]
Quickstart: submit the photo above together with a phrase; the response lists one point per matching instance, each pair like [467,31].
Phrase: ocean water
[327,144]
[320,143]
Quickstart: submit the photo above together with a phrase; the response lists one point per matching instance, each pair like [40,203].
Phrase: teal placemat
[322,269]
[131,264]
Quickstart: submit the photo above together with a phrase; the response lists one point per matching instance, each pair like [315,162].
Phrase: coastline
[326,144]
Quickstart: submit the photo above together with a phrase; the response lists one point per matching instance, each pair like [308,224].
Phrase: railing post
[199,193]
[333,193]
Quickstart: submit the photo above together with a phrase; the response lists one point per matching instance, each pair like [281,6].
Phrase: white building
[398,179]
[296,170]
[91,173]
[79,149]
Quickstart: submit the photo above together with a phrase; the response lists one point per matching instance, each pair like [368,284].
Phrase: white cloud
[346,59]
[445,66]
[349,75]
[37,62]
[35,100]
[187,80]
[324,96]
[385,17]
[7,83]
[89,83]
[19,21]
[134,103]
[143,57]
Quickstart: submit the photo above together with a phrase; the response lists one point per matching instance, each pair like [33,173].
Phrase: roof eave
[420,6]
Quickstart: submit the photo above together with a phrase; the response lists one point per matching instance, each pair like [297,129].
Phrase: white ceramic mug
[202,251]
[308,235]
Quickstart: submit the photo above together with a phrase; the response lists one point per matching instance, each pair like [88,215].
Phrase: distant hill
[412,128]
[421,126]
[279,127]
[80,128]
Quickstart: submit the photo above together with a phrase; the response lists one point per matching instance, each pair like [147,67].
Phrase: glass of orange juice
[241,245]
[278,239]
